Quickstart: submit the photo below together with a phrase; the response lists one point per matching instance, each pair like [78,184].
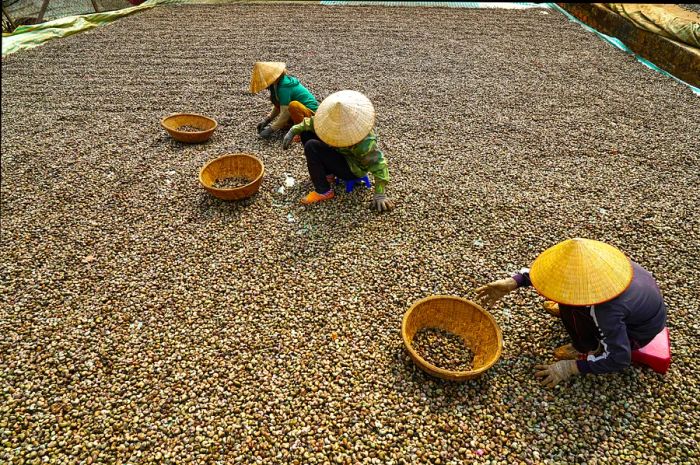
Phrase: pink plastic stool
[657,354]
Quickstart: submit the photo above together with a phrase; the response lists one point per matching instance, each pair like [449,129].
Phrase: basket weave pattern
[459,316]
[172,122]
[233,165]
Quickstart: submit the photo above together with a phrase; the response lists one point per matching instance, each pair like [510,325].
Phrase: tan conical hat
[581,272]
[264,74]
[344,118]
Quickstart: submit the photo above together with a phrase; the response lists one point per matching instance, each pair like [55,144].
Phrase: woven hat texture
[344,118]
[264,74]
[581,272]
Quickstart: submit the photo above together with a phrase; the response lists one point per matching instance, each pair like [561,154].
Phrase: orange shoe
[567,352]
[551,307]
[314,197]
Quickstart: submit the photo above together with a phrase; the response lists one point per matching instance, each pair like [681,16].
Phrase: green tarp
[26,37]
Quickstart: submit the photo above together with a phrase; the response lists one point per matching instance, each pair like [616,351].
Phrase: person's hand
[262,124]
[287,141]
[382,203]
[492,292]
[556,372]
[267,132]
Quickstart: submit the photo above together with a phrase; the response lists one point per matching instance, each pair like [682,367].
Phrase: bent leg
[297,111]
[322,161]
[581,328]
[307,136]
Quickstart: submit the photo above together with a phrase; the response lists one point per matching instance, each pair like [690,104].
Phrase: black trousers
[323,160]
[581,327]
[583,330]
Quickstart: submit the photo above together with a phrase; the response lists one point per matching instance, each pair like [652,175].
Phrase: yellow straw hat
[264,74]
[344,118]
[581,272]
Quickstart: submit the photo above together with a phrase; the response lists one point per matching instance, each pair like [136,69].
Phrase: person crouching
[291,101]
[609,305]
[340,141]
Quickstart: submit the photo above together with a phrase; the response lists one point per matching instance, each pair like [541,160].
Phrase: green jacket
[362,157]
[289,89]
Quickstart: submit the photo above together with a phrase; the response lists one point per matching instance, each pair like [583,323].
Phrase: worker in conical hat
[291,101]
[340,141]
[608,304]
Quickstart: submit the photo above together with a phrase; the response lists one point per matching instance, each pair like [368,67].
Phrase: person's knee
[298,111]
[313,145]
[312,148]
[296,106]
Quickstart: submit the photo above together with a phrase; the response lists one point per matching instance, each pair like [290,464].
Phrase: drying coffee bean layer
[443,349]
[144,321]
[230,183]
[188,128]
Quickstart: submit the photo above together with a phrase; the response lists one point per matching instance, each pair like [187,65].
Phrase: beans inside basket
[443,349]
[230,183]
[188,128]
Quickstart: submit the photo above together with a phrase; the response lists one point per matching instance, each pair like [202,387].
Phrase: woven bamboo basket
[462,317]
[171,123]
[231,165]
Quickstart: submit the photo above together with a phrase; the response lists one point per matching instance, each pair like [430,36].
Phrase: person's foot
[314,197]
[567,352]
[551,307]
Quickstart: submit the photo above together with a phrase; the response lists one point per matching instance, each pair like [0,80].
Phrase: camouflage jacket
[362,157]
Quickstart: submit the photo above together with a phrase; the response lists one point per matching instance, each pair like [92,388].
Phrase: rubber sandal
[314,197]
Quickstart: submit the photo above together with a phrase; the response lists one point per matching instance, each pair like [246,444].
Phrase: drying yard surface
[143,321]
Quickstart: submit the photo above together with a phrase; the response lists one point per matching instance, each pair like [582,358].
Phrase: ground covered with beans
[144,321]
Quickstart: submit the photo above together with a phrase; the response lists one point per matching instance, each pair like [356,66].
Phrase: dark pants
[583,331]
[581,327]
[322,160]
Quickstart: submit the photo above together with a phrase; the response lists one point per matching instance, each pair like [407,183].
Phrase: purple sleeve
[522,278]
[617,353]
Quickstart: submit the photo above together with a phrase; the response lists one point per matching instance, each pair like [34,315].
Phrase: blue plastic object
[351,183]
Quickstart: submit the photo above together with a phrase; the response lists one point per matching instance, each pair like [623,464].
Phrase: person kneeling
[339,140]
[291,101]
[609,305]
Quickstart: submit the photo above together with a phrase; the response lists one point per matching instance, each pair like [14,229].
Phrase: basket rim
[172,115]
[451,373]
[227,155]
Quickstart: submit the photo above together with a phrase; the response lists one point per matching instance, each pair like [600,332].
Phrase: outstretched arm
[494,291]
[282,118]
[306,125]
[273,113]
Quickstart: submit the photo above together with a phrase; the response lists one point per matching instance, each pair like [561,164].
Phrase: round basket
[233,165]
[459,316]
[171,123]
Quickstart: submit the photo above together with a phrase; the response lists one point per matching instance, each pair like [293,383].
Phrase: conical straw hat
[344,118]
[581,272]
[264,74]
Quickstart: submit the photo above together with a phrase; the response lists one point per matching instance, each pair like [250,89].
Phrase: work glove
[287,141]
[382,203]
[262,124]
[266,133]
[494,291]
[556,372]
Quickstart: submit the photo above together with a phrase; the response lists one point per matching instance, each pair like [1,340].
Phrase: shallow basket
[231,165]
[207,125]
[459,316]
